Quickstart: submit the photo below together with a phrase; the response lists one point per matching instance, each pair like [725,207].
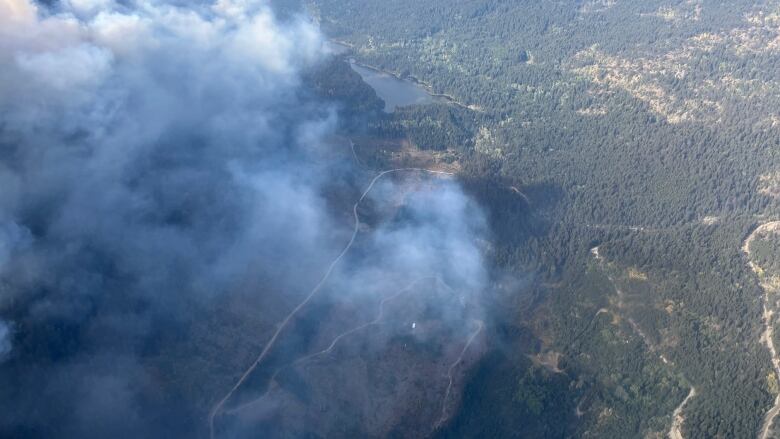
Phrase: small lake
[395,92]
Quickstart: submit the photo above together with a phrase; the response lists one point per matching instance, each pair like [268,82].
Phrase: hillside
[645,132]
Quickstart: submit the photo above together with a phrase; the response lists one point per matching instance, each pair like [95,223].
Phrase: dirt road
[677,417]
[767,337]
[451,370]
[218,407]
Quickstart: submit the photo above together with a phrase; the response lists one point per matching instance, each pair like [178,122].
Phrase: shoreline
[412,79]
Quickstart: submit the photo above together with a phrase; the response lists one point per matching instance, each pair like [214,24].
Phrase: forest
[644,137]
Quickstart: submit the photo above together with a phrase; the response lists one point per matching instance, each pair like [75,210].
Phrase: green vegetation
[649,129]
[766,253]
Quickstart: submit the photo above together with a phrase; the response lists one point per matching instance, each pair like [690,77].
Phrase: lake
[395,92]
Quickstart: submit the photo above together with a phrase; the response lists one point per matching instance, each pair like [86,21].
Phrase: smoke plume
[160,162]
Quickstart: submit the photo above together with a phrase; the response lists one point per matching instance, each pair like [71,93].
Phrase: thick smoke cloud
[155,159]
[155,139]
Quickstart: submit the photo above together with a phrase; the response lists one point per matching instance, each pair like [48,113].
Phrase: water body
[395,92]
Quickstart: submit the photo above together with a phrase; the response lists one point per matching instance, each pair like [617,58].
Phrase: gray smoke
[5,340]
[154,160]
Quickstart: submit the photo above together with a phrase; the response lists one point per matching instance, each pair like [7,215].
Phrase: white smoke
[153,157]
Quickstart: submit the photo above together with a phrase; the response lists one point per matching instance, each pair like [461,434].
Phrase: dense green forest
[644,137]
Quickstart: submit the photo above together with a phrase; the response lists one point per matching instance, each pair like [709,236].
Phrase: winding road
[767,337]
[443,418]
[675,432]
[332,345]
[218,407]
[521,194]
